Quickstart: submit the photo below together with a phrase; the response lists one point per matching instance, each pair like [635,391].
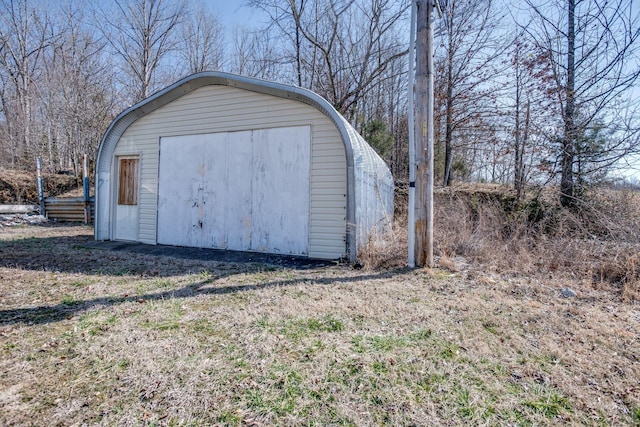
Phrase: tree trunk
[517,142]
[567,186]
[448,135]
[298,47]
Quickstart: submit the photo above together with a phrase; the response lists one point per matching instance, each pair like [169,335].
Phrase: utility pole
[423,209]
[411,232]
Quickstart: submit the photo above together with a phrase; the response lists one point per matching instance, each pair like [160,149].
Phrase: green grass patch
[171,318]
[281,396]
[81,283]
[229,418]
[69,300]
[464,407]
[448,350]
[202,326]
[490,327]
[97,322]
[297,328]
[549,404]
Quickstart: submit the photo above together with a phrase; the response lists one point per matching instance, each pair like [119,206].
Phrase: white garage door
[244,191]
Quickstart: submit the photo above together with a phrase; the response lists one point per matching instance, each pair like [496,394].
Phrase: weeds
[597,243]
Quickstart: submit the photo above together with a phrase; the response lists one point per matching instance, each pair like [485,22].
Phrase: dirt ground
[112,334]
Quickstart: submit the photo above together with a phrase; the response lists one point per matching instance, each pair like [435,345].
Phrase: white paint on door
[188,214]
[126,222]
[126,214]
[279,195]
[244,190]
[238,210]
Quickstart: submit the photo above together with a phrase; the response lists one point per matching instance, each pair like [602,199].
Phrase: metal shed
[223,161]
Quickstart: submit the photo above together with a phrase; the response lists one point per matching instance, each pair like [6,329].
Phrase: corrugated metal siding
[213,109]
[374,190]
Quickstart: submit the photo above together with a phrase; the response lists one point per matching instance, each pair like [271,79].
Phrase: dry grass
[94,337]
[595,246]
[480,229]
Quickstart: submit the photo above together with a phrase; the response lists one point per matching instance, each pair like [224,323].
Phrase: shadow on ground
[81,254]
[62,311]
[217,255]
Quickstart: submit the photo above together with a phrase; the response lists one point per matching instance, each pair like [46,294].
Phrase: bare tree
[471,49]
[202,41]
[25,34]
[256,54]
[593,48]
[339,48]
[142,33]
[77,94]
[383,110]
[281,15]
[521,131]
[531,110]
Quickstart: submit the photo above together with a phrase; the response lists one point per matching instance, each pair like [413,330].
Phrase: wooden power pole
[423,213]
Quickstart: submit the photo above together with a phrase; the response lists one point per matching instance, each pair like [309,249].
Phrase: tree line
[532,92]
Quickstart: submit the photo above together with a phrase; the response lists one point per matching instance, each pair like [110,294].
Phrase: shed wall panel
[212,109]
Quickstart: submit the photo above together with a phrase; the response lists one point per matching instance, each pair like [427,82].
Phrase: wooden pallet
[68,209]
